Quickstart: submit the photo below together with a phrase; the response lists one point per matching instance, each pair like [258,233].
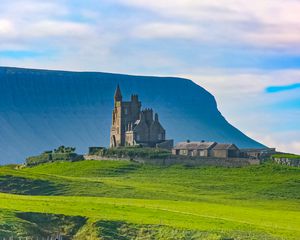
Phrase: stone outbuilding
[201,149]
[206,149]
[225,150]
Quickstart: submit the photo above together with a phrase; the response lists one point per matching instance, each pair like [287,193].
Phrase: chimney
[156,117]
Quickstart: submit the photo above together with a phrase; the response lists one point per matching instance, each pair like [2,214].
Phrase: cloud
[30,19]
[44,29]
[242,98]
[267,11]
[260,24]
[51,28]
[6,27]
[166,30]
[245,81]
[283,142]
[32,9]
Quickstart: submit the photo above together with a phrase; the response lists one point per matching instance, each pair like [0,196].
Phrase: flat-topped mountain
[43,109]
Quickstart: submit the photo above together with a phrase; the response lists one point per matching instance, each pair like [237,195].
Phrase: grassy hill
[126,200]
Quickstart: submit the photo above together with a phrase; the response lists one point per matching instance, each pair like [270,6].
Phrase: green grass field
[125,200]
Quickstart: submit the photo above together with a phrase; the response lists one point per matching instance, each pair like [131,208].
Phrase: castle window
[138,137]
[126,111]
[159,137]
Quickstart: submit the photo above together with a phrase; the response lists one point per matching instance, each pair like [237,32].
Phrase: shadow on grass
[284,190]
[110,230]
[117,171]
[44,224]
[38,225]
[27,186]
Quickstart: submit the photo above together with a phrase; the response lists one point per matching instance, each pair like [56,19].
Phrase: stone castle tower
[133,126]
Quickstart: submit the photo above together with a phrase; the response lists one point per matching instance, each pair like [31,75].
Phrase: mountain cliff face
[42,109]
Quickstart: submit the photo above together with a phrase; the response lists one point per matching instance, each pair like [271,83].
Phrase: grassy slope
[286,155]
[256,202]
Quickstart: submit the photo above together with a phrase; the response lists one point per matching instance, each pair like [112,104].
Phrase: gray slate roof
[194,145]
[224,146]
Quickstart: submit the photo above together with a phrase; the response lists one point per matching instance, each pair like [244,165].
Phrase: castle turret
[148,115]
[134,98]
[117,123]
[118,94]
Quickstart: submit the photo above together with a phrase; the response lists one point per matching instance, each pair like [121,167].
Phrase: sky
[246,53]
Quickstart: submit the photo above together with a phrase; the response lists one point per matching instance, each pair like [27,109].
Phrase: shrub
[60,154]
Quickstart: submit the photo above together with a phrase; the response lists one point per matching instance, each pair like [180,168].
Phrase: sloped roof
[118,94]
[194,145]
[224,146]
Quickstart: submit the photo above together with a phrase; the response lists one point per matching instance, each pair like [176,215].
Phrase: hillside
[42,109]
[125,200]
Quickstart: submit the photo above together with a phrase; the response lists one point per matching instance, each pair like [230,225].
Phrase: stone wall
[287,161]
[96,157]
[205,161]
[220,153]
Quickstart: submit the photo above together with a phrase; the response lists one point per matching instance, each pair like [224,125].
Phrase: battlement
[147,115]
[134,98]
[147,110]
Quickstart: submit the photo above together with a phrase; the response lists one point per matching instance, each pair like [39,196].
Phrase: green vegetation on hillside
[62,153]
[133,152]
[127,200]
[286,155]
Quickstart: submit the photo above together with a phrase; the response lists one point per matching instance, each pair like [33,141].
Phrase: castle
[132,126]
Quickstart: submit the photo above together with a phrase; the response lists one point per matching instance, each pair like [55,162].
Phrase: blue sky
[245,53]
